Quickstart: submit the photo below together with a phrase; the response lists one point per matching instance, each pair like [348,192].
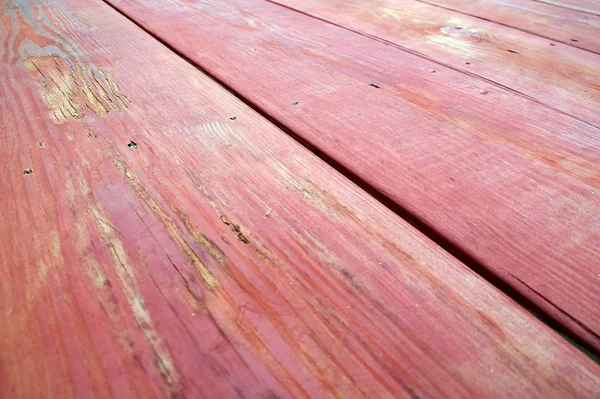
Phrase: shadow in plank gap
[562,77]
[162,249]
[510,183]
[571,27]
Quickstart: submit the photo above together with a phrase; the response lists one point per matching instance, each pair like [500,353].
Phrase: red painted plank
[562,77]
[160,239]
[590,6]
[571,27]
[512,183]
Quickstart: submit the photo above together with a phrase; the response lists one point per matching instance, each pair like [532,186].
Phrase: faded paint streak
[201,239]
[133,181]
[136,302]
[123,268]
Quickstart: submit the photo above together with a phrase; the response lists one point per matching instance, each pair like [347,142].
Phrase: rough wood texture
[562,77]
[590,6]
[512,183]
[156,246]
[567,26]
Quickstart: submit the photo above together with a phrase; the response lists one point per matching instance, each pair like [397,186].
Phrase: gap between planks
[438,61]
[143,177]
[430,231]
[556,39]
[570,6]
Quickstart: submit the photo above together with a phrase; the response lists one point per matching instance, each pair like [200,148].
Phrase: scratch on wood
[235,228]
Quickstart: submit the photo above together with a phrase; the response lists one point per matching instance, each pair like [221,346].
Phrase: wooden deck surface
[491,181]
[236,211]
[559,76]
[564,25]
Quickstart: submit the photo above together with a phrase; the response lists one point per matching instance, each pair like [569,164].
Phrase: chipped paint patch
[201,239]
[49,245]
[318,197]
[71,91]
[459,31]
[77,196]
[453,44]
[133,181]
[129,283]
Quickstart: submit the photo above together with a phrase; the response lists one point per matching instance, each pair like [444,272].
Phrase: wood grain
[576,28]
[161,239]
[562,77]
[510,182]
[590,6]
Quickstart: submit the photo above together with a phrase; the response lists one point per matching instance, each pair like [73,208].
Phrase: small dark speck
[296,103]
[432,71]
[467,63]
[132,144]
[574,40]
[374,85]
[92,135]
[553,44]
[28,171]
[457,27]
[512,51]
[42,145]
[484,92]
[233,117]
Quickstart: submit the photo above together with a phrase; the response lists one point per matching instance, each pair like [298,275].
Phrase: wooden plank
[512,183]
[156,246]
[562,77]
[589,6]
[572,27]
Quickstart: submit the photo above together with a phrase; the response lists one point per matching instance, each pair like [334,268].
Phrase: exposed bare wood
[511,183]
[160,239]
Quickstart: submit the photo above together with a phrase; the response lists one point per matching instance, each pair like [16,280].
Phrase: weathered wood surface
[590,6]
[155,246]
[513,183]
[562,77]
[572,27]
